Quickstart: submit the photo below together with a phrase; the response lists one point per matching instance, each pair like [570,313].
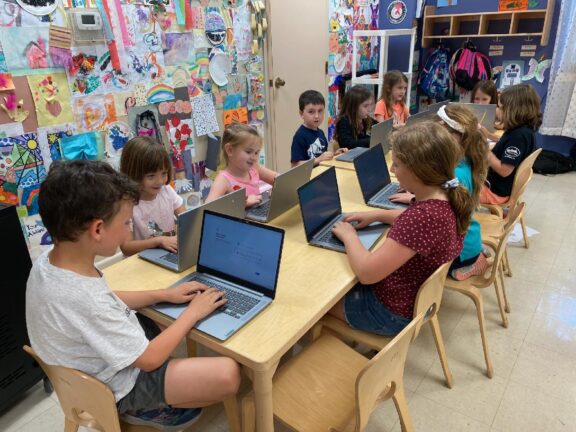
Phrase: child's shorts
[489,197]
[147,393]
[364,311]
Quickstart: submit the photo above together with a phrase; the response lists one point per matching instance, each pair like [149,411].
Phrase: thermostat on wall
[87,25]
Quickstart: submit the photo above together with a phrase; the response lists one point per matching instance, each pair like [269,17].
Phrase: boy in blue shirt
[309,140]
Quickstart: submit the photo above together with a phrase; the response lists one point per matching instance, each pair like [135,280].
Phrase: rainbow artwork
[160,93]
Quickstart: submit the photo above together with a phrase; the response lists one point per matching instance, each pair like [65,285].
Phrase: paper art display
[239,115]
[87,146]
[11,129]
[6,82]
[242,32]
[219,67]
[24,166]
[25,47]
[510,5]
[180,134]
[178,48]
[117,135]
[144,121]
[51,98]
[94,112]
[14,108]
[29,198]
[181,107]
[214,26]
[38,7]
[159,92]
[537,69]
[49,140]
[204,115]
[512,71]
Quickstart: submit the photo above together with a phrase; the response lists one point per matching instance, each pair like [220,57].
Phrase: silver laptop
[374,180]
[428,114]
[188,232]
[378,135]
[321,209]
[486,114]
[283,195]
[240,258]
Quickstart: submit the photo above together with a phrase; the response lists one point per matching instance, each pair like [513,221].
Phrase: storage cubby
[528,23]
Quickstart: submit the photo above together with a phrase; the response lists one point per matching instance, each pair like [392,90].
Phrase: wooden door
[297,54]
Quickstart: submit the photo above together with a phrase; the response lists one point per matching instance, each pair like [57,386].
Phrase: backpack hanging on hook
[468,67]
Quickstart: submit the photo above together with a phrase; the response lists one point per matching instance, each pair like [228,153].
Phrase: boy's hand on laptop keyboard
[184,293]
[206,301]
[341,150]
[402,197]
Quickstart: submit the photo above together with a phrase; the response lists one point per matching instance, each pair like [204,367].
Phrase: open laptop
[240,258]
[374,180]
[321,209]
[188,232]
[378,135]
[283,195]
[428,114]
[486,114]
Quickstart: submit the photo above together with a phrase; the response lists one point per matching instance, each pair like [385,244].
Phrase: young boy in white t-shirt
[75,320]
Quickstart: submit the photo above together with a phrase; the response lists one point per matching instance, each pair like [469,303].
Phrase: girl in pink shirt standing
[241,145]
[147,162]
[392,102]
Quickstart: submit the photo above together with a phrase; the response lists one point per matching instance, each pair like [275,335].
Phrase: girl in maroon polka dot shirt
[423,237]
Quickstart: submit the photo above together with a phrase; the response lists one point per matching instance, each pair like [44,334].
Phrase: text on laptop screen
[242,250]
[372,172]
[320,201]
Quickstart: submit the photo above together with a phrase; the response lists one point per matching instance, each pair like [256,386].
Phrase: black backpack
[551,162]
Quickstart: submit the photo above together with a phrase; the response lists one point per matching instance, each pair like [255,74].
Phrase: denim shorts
[364,311]
[148,392]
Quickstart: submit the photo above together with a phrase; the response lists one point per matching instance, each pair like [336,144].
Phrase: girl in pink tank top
[241,147]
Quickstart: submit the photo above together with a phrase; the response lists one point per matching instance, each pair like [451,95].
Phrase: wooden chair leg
[70,426]
[476,297]
[435,325]
[508,269]
[506,304]
[248,413]
[399,399]
[500,297]
[231,408]
[524,234]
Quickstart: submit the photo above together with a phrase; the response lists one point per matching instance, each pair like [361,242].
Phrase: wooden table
[311,281]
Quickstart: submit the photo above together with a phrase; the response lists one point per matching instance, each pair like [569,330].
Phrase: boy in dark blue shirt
[309,140]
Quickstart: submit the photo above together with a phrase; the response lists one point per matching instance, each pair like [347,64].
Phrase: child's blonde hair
[144,155]
[488,87]
[472,142]
[236,135]
[431,153]
[391,79]
[520,106]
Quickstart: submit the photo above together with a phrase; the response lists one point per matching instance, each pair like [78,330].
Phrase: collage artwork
[345,16]
[174,70]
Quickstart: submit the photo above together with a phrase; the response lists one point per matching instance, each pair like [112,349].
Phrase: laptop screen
[372,172]
[242,252]
[319,201]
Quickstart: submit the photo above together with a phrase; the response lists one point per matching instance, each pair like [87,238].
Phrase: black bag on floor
[550,162]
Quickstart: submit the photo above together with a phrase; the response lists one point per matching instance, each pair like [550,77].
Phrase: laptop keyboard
[261,210]
[238,304]
[330,238]
[384,194]
[171,257]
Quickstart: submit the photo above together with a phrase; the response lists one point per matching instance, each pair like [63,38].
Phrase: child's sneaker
[166,419]
[478,268]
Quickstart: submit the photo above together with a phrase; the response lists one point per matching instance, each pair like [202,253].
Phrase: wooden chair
[521,180]
[471,287]
[89,402]
[330,387]
[427,301]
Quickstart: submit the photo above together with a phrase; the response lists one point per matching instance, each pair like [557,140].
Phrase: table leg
[262,381]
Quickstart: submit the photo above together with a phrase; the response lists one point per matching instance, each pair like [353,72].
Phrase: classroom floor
[534,383]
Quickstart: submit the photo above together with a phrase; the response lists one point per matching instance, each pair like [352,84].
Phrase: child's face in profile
[116,231]
[365,109]
[481,98]
[245,156]
[312,116]
[399,91]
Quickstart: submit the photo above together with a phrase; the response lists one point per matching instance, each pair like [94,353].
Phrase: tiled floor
[534,384]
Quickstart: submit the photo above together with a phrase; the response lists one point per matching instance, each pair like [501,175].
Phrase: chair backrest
[429,295]
[80,393]
[522,177]
[378,380]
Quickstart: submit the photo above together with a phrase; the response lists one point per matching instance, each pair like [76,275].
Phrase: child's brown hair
[520,105]
[472,142]
[143,155]
[353,98]
[391,79]
[431,153]
[488,87]
[237,134]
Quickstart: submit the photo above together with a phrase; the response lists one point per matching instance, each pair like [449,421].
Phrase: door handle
[279,82]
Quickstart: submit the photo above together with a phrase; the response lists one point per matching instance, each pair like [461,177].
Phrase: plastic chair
[521,180]
[471,287]
[427,301]
[331,387]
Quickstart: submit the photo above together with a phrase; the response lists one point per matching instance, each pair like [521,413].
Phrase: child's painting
[204,115]
[180,107]
[86,146]
[6,82]
[239,115]
[116,136]
[25,47]
[144,121]
[51,98]
[23,160]
[94,112]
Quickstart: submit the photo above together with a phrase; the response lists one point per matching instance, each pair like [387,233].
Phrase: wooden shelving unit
[489,24]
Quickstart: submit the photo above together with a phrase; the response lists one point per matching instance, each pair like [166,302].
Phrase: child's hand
[362,219]
[327,155]
[343,230]
[205,302]
[253,200]
[341,150]
[402,197]
[398,126]
[170,243]
[184,292]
